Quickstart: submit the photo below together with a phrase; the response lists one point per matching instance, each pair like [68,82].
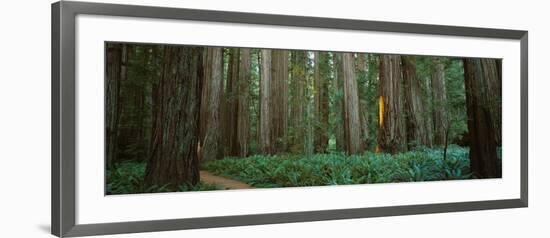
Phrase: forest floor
[209,178]
[287,170]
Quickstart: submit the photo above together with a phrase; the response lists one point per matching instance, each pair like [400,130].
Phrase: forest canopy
[188,118]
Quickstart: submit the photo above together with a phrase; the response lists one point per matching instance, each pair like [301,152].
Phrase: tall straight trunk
[299,81]
[279,99]
[153,77]
[317,101]
[321,101]
[363,113]
[207,68]
[158,53]
[144,124]
[265,78]
[114,77]
[231,104]
[417,131]
[352,121]
[339,101]
[174,158]
[478,76]
[242,119]
[492,72]
[212,148]
[324,94]
[439,100]
[391,134]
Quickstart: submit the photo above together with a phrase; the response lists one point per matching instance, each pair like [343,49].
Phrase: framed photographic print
[161,116]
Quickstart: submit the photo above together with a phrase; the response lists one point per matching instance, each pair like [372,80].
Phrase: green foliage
[127,178]
[337,168]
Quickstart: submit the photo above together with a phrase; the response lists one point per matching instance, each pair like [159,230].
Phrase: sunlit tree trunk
[352,121]
[265,78]
[417,131]
[479,74]
[212,148]
[279,99]
[391,134]
[174,159]
[439,100]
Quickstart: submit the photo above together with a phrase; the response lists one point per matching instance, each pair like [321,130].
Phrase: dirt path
[225,182]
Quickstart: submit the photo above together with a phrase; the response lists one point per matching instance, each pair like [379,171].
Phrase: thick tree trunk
[174,158]
[439,100]
[478,76]
[391,134]
[492,72]
[415,112]
[242,119]
[338,101]
[114,76]
[352,121]
[299,81]
[279,99]
[212,148]
[265,78]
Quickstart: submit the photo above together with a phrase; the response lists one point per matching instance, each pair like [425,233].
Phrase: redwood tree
[299,84]
[439,99]
[479,74]
[230,110]
[338,93]
[321,75]
[265,78]
[417,131]
[174,159]
[391,134]
[279,99]
[352,121]
[242,105]
[212,148]
[117,71]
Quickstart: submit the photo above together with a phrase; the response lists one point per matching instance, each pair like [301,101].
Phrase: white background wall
[25,118]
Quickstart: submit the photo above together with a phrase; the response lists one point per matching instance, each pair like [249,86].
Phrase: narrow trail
[225,182]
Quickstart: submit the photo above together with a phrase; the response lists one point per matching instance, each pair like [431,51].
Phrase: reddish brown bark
[299,83]
[212,148]
[321,101]
[265,78]
[391,134]
[279,99]
[417,133]
[174,159]
[352,122]
[478,76]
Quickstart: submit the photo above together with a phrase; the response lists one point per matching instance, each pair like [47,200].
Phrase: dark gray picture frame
[64,108]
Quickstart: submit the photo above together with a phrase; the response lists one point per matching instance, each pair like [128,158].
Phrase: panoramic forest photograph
[184,118]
